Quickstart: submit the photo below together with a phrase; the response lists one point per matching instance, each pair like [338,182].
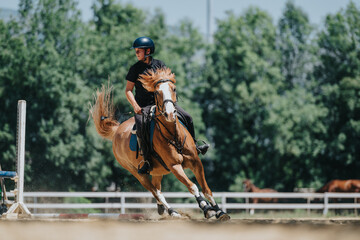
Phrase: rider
[143,99]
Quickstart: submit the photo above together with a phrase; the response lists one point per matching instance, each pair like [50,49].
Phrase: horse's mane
[150,78]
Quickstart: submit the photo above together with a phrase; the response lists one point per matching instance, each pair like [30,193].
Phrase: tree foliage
[339,78]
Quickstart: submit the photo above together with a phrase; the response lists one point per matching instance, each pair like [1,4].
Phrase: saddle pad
[133,138]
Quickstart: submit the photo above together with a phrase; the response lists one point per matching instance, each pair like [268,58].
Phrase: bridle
[175,141]
[156,93]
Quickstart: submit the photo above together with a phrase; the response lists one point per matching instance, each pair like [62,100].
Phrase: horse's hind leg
[156,181]
[198,170]
[145,181]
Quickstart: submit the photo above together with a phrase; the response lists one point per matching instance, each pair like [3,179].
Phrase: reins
[175,141]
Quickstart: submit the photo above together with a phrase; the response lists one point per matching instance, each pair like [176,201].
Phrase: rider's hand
[137,110]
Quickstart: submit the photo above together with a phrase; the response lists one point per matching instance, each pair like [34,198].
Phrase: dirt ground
[249,229]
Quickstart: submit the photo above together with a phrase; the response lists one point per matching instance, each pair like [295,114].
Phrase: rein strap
[178,146]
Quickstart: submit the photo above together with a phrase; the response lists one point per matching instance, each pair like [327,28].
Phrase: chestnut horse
[351,185]
[250,187]
[171,141]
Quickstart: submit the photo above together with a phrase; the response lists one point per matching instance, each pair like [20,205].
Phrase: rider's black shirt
[142,96]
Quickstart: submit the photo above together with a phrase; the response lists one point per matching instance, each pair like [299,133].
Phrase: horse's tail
[102,113]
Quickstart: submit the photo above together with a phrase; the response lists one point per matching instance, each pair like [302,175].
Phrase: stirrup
[146,168]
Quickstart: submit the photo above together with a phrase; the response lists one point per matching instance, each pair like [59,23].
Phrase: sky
[196,10]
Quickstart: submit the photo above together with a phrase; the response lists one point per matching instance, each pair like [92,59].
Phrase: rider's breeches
[139,120]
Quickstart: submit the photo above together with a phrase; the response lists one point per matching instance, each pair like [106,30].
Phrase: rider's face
[140,53]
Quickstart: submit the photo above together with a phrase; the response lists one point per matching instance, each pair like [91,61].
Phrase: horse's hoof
[210,214]
[223,217]
[174,213]
[161,209]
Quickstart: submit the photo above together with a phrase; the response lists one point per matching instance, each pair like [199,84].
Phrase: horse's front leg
[178,171]
[254,201]
[198,170]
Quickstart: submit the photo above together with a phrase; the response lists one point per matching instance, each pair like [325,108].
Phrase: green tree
[296,118]
[338,75]
[44,74]
[11,54]
[295,44]
[242,79]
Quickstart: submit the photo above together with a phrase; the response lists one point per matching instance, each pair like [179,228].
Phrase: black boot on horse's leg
[220,214]
[161,209]
[209,212]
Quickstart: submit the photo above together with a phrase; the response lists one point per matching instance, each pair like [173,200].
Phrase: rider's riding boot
[146,167]
[202,148]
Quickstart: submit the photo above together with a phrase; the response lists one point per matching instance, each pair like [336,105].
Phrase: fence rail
[32,200]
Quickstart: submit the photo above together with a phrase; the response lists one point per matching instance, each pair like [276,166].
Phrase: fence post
[247,203]
[223,202]
[122,204]
[326,204]
[35,201]
[106,201]
[355,210]
[19,208]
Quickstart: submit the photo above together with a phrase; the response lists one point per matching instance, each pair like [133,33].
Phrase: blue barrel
[7,174]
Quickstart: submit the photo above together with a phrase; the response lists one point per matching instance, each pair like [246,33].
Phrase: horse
[171,141]
[351,185]
[250,187]
[336,185]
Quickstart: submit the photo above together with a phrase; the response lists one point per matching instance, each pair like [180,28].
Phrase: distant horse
[351,185]
[250,187]
[345,186]
[171,141]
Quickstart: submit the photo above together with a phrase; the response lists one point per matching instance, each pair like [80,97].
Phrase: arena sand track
[161,229]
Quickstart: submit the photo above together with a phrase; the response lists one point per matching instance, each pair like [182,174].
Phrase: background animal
[351,185]
[250,187]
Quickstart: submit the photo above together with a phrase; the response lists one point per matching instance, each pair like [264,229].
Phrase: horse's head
[162,83]
[247,185]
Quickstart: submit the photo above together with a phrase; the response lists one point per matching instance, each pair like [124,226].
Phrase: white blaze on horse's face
[169,108]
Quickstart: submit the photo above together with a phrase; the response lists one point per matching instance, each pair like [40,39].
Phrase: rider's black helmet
[144,42]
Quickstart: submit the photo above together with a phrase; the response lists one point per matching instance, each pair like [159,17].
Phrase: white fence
[144,200]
